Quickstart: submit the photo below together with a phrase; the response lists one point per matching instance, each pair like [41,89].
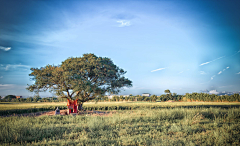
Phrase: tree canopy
[82,78]
[167,91]
[10,97]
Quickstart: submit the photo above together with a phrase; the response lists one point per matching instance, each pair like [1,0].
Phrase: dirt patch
[64,112]
[82,113]
[51,113]
[97,113]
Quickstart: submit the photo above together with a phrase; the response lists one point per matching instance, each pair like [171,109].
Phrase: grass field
[11,106]
[178,125]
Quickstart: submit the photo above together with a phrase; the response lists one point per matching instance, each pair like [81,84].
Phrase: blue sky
[184,46]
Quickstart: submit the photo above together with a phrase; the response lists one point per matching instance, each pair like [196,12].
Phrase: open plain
[179,123]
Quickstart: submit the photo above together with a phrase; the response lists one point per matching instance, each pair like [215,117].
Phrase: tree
[174,96]
[167,91]
[169,95]
[163,97]
[126,98]
[121,98]
[153,98]
[132,98]
[81,78]
[29,99]
[36,98]
[9,97]
[105,98]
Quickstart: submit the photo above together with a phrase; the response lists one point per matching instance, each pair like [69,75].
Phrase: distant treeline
[12,98]
[187,97]
[164,97]
[211,97]
[152,98]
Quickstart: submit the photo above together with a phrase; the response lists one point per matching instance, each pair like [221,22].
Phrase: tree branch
[69,96]
[72,94]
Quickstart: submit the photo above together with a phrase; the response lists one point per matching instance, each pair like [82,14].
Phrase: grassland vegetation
[199,97]
[10,108]
[177,126]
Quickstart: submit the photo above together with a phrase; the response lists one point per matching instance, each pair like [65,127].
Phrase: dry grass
[177,126]
[10,105]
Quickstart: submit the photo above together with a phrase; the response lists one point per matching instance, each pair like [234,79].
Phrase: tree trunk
[80,106]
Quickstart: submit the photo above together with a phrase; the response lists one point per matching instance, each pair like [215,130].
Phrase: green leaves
[80,77]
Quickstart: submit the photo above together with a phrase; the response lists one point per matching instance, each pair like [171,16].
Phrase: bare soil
[64,112]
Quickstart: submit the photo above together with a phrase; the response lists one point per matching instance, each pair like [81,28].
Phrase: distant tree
[36,98]
[140,98]
[153,98]
[46,99]
[55,99]
[132,98]
[145,98]
[168,94]
[13,100]
[105,98]
[81,78]
[167,91]
[126,98]
[115,98]
[9,98]
[98,98]
[62,99]
[164,97]
[121,98]
[179,97]
[174,94]
[29,99]
[22,99]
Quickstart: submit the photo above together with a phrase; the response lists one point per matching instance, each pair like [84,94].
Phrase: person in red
[72,106]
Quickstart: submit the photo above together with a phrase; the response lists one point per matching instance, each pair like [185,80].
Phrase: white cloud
[202,73]
[1,77]
[213,92]
[235,53]
[211,61]
[223,70]
[238,73]
[13,66]
[204,63]
[180,72]
[157,69]
[220,72]
[123,23]
[5,48]
[212,77]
